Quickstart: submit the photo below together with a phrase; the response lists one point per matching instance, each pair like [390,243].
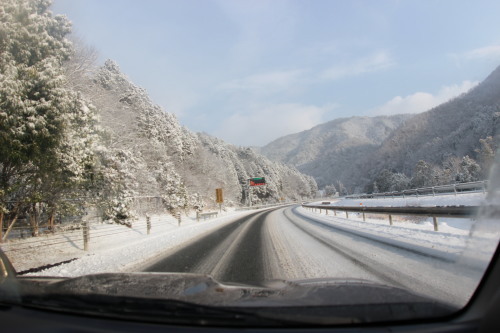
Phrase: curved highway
[283,243]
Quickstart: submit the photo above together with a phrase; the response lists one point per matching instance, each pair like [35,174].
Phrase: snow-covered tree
[422,175]
[330,190]
[469,170]
[486,154]
[45,128]
[341,188]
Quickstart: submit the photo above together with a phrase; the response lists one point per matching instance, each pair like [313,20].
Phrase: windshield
[333,160]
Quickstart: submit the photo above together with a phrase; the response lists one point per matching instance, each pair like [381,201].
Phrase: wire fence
[78,230]
[89,229]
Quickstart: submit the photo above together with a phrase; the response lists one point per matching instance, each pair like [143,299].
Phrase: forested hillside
[453,142]
[331,152]
[74,135]
[468,125]
[172,162]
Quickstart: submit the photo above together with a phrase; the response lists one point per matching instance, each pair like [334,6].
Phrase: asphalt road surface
[282,243]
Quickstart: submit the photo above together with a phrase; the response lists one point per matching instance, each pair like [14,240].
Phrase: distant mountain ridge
[453,128]
[355,150]
[328,151]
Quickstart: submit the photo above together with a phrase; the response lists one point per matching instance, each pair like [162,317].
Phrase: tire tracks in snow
[414,249]
[420,273]
[233,253]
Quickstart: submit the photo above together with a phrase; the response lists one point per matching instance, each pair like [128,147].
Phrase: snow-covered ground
[112,248]
[417,233]
[452,239]
[116,248]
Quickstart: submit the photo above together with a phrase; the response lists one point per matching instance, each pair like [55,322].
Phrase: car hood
[203,289]
[152,295]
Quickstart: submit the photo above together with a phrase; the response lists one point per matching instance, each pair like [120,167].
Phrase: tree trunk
[1,226]
[52,217]
[16,215]
[34,221]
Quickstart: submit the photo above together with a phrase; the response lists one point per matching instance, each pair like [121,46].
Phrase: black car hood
[203,289]
[181,298]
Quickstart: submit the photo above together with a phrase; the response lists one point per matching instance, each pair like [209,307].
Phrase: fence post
[390,219]
[197,216]
[1,226]
[179,218]
[148,223]
[435,221]
[86,235]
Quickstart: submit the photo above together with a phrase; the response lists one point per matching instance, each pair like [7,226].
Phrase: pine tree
[45,128]
[486,155]
[469,170]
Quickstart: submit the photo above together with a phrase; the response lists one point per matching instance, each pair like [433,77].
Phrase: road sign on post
[257,181]
[218,196]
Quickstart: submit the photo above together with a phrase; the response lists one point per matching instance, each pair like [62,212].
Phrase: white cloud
[262,125]
[375,62]
[422,101]
[487,52]
[490,52]
[269,82]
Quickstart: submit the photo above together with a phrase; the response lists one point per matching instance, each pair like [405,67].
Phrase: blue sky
[252,71]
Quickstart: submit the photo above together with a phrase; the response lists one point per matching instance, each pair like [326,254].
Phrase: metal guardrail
[434,212]
[450,211]
[267,206]
[460,188]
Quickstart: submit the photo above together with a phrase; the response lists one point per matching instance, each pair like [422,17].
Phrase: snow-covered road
[289,243]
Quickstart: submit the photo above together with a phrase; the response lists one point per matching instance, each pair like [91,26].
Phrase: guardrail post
[86,235]
[326,211]
[435,221]
[148,223]
[390,219]
[346,214]
[455,189]
[364,220]
[197,216]
[334,212]
[179,218]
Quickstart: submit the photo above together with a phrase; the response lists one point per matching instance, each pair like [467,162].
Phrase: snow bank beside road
[118,252]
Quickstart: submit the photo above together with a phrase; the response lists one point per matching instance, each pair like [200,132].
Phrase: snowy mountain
[452,129]
[162,158]
[329,151]
[436,147]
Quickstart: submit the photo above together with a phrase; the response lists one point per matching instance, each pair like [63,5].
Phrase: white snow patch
[112,248]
